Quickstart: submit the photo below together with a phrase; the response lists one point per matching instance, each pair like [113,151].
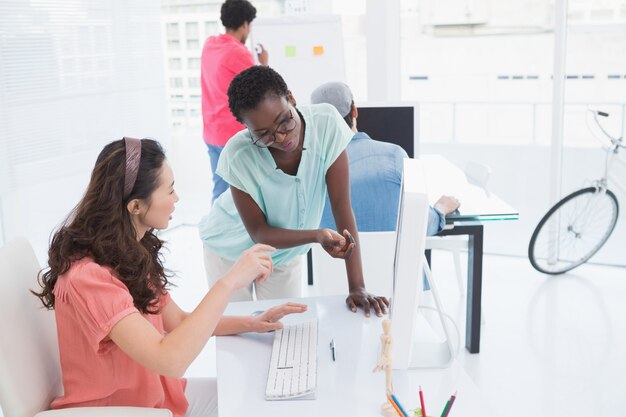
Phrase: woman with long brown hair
[122,339]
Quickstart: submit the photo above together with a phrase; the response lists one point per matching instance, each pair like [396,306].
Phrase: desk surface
[347,387]
[445,178]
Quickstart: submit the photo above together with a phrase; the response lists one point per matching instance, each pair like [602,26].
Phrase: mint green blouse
[288,202]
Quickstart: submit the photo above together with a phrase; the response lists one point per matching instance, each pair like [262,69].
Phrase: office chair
[30,371]
[476,174]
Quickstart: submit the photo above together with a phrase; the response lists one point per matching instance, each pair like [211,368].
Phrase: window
[171,29]
[191,30]
[193,63]
[176,82]
[192,35]
[175,63]
[211,28]
[194,82]
[486,101]
[178,112]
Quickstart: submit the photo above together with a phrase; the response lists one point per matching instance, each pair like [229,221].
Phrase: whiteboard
[306,50]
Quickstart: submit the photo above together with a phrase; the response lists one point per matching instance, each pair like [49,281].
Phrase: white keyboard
[293,366]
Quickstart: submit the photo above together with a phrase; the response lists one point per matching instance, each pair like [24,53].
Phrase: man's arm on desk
[437,214]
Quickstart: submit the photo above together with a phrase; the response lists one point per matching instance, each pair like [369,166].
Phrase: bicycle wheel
[573,230]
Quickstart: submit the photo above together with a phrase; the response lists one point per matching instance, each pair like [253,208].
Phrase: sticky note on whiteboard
[290,51]
[318,50]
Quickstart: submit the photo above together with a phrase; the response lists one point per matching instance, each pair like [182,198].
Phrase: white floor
[551,346]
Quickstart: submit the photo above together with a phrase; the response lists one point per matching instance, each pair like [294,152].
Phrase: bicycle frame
[611,159]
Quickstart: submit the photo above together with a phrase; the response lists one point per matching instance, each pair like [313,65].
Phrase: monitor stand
[429,350]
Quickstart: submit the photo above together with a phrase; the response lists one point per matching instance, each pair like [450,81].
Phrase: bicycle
[577,226]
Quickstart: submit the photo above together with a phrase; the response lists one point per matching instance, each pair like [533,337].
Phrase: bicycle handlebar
[615,141]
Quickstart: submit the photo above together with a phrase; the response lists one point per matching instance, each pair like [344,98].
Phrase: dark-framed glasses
[267,139]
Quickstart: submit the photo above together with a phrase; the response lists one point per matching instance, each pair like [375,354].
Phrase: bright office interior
[76,75]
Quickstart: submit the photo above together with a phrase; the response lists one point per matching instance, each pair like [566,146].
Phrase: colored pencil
[395,407]
[422,402]
[445,408]
[450,402]
[395,399]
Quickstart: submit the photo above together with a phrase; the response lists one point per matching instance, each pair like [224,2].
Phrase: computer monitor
[392,123]
[415,342]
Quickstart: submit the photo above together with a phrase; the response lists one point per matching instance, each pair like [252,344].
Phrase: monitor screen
[394,124]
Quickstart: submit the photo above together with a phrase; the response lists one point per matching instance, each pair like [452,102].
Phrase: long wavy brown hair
[100,227]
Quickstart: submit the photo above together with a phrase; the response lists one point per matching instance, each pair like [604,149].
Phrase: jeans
[219,185]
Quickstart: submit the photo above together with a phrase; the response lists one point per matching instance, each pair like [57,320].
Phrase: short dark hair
[253,85]
[235,13]
[349,117]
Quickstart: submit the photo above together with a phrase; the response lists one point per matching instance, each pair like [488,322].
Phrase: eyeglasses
[266,140]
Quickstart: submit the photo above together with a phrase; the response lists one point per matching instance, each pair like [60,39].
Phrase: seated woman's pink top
[90,300]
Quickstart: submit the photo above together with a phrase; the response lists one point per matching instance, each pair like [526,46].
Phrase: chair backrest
[30,372]
[377,255]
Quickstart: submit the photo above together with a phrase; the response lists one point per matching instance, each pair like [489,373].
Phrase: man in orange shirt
[223,57]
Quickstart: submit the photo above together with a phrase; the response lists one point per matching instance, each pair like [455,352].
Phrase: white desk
[347,387]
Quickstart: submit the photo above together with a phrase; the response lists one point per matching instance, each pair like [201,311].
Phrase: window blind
[74,75]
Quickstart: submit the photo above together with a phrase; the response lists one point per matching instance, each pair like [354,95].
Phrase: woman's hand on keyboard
[269,320]
[253,264]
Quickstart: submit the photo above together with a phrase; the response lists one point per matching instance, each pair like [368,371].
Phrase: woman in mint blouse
[280,169]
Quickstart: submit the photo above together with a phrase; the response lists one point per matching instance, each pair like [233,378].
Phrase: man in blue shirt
[375,172]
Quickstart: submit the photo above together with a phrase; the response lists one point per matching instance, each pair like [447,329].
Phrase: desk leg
[474,289]
[428,254]
[309,266]
[474,233]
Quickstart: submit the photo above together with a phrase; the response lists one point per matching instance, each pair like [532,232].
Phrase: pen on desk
[332,348]
[422,402]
